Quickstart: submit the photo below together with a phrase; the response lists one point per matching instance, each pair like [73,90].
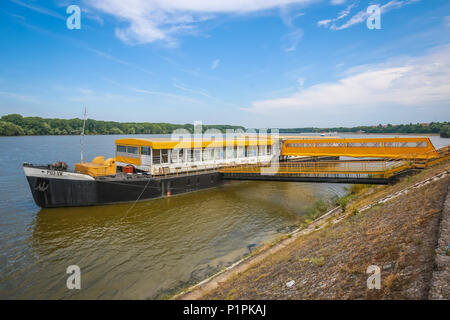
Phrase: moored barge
[144,169]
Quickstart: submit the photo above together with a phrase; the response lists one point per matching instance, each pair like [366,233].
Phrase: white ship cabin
[159,156]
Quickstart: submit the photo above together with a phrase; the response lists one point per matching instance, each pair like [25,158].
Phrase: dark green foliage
[15,124]
[445,131]
[41,126]
[317,209]
[10,129]
[434,127]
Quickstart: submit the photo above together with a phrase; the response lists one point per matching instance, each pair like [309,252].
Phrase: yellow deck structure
[418,148]
[98,167]
[398,154]
[170,144]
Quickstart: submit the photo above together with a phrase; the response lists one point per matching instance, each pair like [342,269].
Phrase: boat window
[208,154]
[146,151]
[241,152]
[262,150]
[121,148]
[177,155]
[217,154]
[156,156]
[188,155]
[134,150]
[197,155]
[164,155]
[229,153]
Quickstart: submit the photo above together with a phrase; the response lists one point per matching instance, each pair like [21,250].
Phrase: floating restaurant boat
[145,169]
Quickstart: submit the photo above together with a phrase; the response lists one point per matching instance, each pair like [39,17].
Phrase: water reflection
[163,244]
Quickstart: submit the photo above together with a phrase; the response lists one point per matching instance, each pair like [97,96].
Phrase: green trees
[427,128]
[10,129]
[445,131]
[15,124]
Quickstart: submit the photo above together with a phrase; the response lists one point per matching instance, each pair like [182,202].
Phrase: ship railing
[382,168]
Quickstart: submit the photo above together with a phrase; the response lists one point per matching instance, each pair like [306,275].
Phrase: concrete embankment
[440,288]
[402,229]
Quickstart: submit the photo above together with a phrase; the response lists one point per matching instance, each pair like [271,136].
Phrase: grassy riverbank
[329,257]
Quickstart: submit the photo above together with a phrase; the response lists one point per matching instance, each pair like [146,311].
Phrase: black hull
[54,193]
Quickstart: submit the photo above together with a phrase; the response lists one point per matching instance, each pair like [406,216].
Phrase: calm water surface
[141,252]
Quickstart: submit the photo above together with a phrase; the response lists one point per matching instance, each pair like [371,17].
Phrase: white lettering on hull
[55,174]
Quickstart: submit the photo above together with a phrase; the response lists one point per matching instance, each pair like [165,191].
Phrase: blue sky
[271,63]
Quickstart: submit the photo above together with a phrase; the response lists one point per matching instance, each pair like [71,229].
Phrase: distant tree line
[443,128]
[16,125]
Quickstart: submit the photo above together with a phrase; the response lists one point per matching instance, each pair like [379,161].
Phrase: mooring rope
[134,203]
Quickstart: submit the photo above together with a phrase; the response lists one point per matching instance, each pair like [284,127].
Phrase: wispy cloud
[200,92]
[152,92]
[337,2]
[17,96]
[290,40]
[342,15]
[114,59]
[215,64]
[16,16]
[156,20]
[447,21]
[421,82]
[39,9]
[361,15]
[195,91]
[165,94]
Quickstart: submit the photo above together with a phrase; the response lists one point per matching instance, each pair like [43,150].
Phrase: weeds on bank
[317,261]
[317,209]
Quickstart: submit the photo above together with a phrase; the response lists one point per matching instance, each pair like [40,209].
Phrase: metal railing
[357,168]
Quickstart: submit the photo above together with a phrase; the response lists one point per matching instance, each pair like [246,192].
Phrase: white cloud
[17,96]
[215,64]
[196,91]
[337,2]
[109,57]
[447,21]
[422,82]
[342,15]
[290,41]
[153,20]
[39,9]
[165,94]
[361,16]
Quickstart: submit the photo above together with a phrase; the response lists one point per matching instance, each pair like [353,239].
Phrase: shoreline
[168,134]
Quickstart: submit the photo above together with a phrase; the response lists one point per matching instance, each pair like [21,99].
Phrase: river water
[143,252]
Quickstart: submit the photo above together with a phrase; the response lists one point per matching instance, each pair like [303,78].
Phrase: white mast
[82,135]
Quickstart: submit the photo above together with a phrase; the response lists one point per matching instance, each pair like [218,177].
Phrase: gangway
[406,148]
[362,171]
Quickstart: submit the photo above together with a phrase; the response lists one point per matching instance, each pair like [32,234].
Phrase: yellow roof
[160,143]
